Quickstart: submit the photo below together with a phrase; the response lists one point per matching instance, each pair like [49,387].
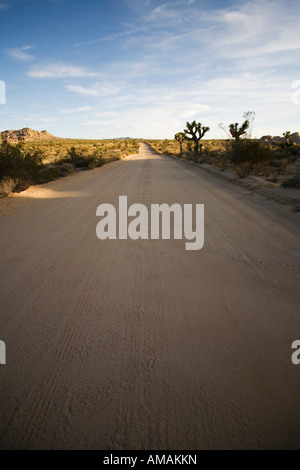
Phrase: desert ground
[140,344]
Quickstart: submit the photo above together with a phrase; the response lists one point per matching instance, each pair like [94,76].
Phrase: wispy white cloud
[241,30]
[46,118]
[172,13]
[20,53]
[166,14]
[82,90]
[97,89]
[256,28]
[37,118]
[93,122]
[59,71]
[80,109]
[110,37]
[187,34]
[106,114]
[193,110]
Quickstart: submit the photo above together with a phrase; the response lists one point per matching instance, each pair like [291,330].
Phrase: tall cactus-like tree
[195,131]
[180,137]
[237,132]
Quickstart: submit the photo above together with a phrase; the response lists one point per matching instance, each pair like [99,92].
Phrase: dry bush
[243,169]
[7,186]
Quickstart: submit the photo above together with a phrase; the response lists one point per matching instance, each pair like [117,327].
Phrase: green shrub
[66,168]
[21,165]
[49,173]
[247,150]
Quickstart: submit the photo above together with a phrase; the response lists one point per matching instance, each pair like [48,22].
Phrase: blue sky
[142,68]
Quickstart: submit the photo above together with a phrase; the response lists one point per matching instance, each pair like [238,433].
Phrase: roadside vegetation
[275,161]
[39,162]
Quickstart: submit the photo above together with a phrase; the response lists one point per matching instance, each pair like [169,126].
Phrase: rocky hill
[268,139]
[26,134]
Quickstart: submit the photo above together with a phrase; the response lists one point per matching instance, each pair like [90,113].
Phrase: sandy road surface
[141,344]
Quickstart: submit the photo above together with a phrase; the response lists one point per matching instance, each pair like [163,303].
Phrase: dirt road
[124,344]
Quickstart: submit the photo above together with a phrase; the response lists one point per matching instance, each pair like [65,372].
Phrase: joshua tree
[244,129]
[287,136]
[180,137]
[195,131]
[235,132]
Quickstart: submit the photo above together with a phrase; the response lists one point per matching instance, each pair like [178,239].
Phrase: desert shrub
[284,163]
[265,168]
[112,158]
[243,169]
[53,171]
[100,161]
[276,163]
[50,173]
[76,157]
[247,150]
[86,162]
[7,186]
[293,149]
[67,168]
[187,155]
[82,161]
[293,182]
[18,163]
[220,161]
[22,184]
[95,161]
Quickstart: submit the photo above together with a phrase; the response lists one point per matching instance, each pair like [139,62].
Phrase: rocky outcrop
[295,138]
[268,139]
[26,134]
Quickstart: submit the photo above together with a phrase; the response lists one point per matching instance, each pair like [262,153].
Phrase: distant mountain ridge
[22,135]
